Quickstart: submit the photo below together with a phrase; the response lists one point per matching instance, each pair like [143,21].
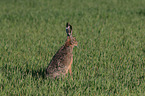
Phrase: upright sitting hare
[62,60]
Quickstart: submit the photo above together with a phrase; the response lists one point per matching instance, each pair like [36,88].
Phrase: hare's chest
[68,59]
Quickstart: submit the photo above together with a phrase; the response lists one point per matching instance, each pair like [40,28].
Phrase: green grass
[110,59]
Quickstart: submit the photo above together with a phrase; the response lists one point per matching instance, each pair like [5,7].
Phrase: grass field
[110,59]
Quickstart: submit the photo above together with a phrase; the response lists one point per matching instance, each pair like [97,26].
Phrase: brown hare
[62,60]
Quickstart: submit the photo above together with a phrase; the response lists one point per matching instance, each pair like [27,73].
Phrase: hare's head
[74,41]
[71,41]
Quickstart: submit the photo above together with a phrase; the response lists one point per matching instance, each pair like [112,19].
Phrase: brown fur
[62,60]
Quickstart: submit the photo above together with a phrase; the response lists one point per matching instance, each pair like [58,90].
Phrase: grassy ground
[110,59]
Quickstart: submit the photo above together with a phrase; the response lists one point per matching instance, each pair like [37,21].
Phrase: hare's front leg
[70,71]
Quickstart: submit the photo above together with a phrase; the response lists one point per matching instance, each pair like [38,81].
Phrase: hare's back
[59,61]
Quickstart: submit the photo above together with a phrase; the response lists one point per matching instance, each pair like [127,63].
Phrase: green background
[109,60]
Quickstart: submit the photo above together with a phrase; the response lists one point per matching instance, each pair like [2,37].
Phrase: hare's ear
[70,30]
[70,27]
[67,24]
